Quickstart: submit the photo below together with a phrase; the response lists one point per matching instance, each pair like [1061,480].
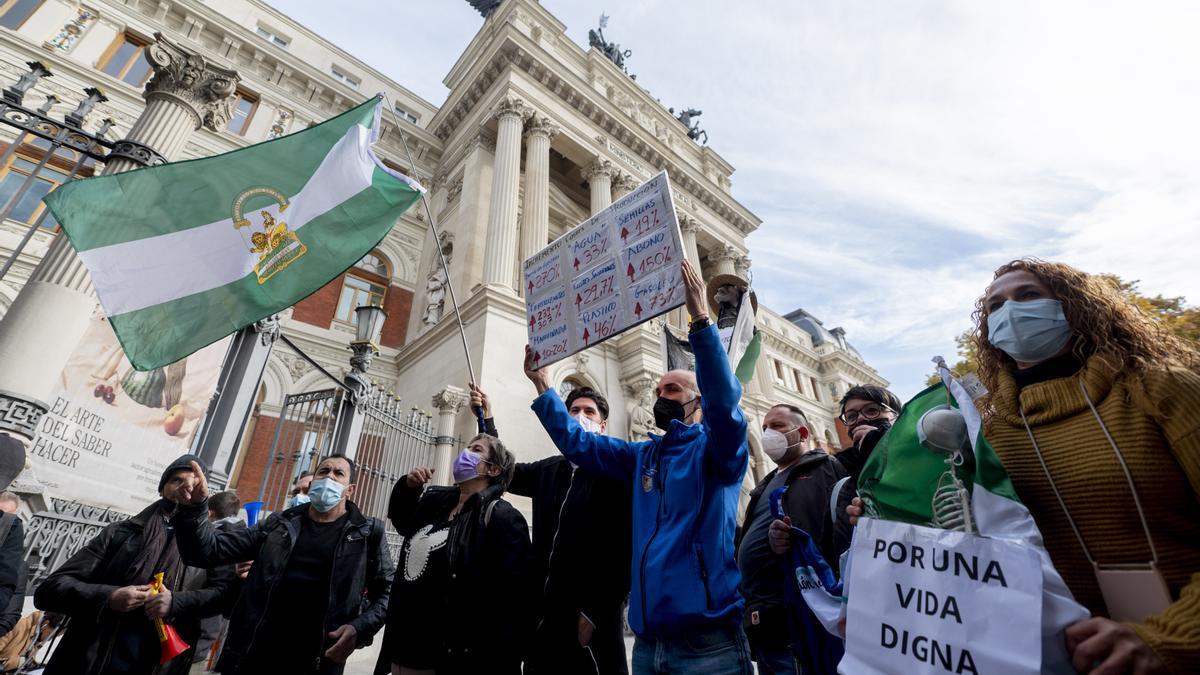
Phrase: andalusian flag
[903,479]
[186,253]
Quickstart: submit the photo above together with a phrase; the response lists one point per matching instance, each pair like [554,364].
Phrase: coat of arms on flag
[276,245]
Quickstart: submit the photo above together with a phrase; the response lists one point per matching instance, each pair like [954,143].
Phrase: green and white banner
[186,253]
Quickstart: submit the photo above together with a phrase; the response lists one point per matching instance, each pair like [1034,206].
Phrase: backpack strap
[487,511]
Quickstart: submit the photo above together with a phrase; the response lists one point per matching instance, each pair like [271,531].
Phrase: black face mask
[666,410]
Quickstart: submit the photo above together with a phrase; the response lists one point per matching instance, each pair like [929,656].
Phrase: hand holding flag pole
[462,332]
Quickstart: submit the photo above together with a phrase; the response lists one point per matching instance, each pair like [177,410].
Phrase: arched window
[569,385]
[364,284]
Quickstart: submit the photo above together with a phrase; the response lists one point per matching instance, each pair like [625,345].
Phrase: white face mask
[589,425]
[775,444]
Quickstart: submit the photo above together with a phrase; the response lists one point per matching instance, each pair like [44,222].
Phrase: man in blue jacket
[684,604]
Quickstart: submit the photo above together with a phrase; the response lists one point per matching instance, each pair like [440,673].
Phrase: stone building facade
[536,133]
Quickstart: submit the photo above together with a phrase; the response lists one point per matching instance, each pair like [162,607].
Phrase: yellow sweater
[1158,432]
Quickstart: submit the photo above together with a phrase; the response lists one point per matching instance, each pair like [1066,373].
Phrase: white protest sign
[923,600]
[614,271]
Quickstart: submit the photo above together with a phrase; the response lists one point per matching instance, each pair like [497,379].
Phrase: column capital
[688,224]
[540,125]
[625,182]
[726,253]
[192,81]
[450,400]
[511,107]
[599,167]
[742,265]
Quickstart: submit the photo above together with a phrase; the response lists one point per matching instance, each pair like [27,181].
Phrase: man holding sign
[684,604]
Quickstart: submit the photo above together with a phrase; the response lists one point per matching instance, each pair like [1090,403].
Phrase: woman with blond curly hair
[1095,410]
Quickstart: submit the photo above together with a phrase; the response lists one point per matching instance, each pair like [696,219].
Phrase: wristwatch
[699,323]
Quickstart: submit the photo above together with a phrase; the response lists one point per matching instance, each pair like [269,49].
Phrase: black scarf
[158,552]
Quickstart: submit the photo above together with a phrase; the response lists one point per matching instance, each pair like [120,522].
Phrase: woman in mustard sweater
[1095,410]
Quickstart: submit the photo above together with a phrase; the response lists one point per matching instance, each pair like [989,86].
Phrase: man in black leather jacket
[299,612]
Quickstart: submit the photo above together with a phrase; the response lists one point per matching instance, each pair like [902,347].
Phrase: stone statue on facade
[688,119]
[641,418]
[435,296]
[485,7]
[437,284]
[611,50]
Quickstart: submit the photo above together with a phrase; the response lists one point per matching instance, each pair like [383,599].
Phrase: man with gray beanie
[105,589]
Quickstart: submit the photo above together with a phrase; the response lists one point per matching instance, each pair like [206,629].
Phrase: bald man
[684,603]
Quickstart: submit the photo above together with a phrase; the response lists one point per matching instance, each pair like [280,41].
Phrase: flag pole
[462,331]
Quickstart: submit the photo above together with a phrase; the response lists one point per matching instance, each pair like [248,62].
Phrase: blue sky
[898,152]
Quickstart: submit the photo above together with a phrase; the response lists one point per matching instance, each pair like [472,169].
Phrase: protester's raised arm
[200,544]
[720,391]
[611,457]
[602,454]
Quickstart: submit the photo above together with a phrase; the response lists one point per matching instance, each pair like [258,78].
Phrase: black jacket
[201,632]
[807,503]
[12,572]
[80,588]
[358,592]
[581,539]
[489,590]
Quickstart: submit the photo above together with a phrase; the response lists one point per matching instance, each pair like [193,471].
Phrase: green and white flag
[904,480]
[186,253]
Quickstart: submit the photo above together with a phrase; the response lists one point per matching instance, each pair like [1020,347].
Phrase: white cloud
[900,151]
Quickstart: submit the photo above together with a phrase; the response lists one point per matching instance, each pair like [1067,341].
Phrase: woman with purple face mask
[461,542]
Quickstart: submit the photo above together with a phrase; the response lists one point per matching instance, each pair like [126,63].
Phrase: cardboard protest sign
[614,271]
[924,600]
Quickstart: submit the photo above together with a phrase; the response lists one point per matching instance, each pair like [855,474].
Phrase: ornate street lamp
[369,326]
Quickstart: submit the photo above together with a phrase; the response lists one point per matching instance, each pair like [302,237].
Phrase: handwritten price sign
[615,270]
[597,285]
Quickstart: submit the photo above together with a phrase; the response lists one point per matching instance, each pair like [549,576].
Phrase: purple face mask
[466,466]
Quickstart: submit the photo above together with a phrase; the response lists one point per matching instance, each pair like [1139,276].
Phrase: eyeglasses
[869,411]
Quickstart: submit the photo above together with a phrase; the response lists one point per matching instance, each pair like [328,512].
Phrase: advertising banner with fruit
[111,430]
[615,270]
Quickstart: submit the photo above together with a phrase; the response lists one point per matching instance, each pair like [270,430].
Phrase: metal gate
[394,440]
[47,152]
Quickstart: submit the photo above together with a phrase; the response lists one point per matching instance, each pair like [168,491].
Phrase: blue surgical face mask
[1030,331]
[300,499]
[325,493]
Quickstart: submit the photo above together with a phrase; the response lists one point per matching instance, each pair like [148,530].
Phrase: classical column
[448,402]
[535,227]
[624,185]
[499,265]
[599,174]
[52,311]
[689,226]
[725,258]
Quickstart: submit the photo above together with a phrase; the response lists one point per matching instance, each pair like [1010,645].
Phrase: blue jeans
[775,661]
[714,651]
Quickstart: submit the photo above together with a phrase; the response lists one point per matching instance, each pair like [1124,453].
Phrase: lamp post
[368,328]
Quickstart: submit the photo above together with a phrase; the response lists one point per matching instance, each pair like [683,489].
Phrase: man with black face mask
[868,411]
[809,475]
[684,603]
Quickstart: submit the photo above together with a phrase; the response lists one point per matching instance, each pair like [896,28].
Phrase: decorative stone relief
[74,28]
[282,123]
[19,416]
